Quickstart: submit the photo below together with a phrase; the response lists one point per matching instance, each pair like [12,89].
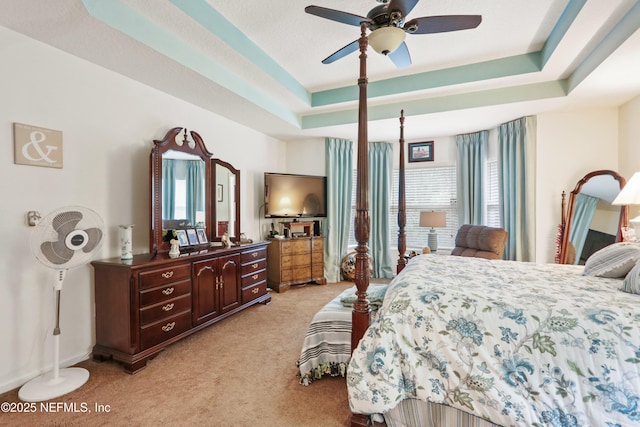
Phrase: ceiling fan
[388,25]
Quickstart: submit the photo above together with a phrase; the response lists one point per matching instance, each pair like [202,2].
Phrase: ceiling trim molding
[561,28]
[211,20]
[120,16]
[497,68]
[502,67]
[128,21]
[625,28]
[545,90]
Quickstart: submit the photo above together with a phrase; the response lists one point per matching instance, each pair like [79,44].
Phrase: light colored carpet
[238,372]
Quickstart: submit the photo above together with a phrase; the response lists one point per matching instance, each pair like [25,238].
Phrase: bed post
[360,313]
[402,212]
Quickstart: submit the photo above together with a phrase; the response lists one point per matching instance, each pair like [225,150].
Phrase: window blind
[426,189]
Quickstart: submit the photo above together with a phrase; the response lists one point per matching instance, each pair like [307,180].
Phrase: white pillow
[631,282]
[615,260]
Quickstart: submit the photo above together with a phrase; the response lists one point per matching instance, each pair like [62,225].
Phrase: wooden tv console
[145,304]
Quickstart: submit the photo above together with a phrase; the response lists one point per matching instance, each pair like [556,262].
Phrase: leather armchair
[480,241]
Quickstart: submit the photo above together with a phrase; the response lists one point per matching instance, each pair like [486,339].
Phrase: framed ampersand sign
[36,146]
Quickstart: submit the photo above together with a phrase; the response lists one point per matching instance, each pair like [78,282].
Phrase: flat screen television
[294,196]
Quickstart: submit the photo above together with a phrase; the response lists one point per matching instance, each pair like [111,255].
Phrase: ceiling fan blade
[443,24]
[404,6]
[336,15]
[400,57]
[350,48]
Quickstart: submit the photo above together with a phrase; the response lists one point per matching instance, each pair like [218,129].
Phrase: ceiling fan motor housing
[380,17]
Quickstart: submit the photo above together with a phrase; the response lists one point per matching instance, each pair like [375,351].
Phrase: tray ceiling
[259,62]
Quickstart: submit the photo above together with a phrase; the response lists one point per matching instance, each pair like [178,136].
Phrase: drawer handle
[255,276]
[167,307]
[168,275]
[255,254]
[254,266]
[168,291]
[169,326]
[255,290]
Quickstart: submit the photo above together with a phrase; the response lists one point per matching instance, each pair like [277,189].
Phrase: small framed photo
[202,236]
[421,151]
[182,237]
[192,235]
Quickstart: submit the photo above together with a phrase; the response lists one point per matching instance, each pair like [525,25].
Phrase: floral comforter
[520,344]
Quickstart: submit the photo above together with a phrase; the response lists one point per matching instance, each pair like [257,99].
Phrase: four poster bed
[471,342]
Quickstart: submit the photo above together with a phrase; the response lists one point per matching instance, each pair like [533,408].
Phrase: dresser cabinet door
[229,283]
[216,287]
[206,281]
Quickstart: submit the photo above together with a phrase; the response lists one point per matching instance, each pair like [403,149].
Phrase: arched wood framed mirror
[591,221]
[226,205]
[185,192]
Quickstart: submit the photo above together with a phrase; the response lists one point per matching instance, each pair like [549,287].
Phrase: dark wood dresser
[149,302]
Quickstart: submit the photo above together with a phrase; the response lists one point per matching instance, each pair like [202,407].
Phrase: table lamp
[630,195]
[433,220]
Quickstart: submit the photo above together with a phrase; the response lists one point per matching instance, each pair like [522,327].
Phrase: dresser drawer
[153,278]
[254,266]
[286,262]
[317,270]
[300,260]
[155,333]
[318,244]
[316,258]
[286,275]
[253,292]
[295,261]
[254,278]
[164,293]
[252,256]
[303,273]
[154,313]
[296,246]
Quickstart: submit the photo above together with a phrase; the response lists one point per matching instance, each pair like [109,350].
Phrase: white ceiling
[265,72]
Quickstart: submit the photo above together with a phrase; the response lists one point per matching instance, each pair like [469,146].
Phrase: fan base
[46,387]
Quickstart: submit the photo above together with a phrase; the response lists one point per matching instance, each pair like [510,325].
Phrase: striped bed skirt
[413,412]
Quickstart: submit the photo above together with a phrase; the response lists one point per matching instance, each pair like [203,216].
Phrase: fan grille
[67,237]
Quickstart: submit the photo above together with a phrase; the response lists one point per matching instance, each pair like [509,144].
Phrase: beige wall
[569,145]
[108,124]
[630,145]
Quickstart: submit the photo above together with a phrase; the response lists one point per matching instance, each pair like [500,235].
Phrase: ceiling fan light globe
[386,39]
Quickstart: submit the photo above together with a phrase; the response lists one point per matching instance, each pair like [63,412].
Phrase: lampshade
[433,219]
[386,39]
[630,193]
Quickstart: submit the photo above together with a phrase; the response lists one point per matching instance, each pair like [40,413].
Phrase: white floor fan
[66,238]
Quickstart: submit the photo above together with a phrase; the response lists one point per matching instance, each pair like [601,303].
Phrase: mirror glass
[183,191]
[593,222]
[227,193]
